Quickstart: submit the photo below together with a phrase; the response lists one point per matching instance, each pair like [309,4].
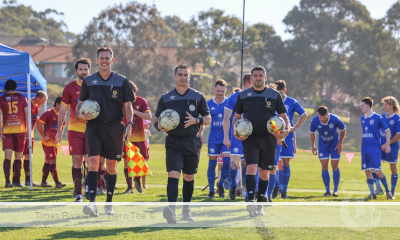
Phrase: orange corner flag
[137,166]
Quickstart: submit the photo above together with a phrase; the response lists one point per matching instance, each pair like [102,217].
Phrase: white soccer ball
[243,128]
[278,122]
[91,106]
[169,119]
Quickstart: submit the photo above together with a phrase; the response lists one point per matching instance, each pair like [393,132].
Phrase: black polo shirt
[259,106]
[192,101]
[111,94]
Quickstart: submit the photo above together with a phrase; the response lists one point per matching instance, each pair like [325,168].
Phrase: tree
[22,20]
[172,26]
[134,32]
[213,40]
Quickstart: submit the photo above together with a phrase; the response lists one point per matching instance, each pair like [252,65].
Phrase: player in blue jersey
[216,137]
[392,120]
[371,146]
[292,106]
[329,143]
[234,145]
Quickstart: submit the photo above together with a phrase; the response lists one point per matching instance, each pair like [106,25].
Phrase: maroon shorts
[26,148]
[50,152]
[143,149]
[14,141]
[77,143]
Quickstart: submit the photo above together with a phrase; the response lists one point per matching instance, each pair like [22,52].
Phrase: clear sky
[78,13]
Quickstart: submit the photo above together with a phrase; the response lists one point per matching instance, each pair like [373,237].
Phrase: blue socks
[376,180]
[257,178]
[280,178]
[271,185]
[233,175]
[285,178]
[327,180]
[212,164]
[224,171]
[371,186]
[394,182]
[384,183]
[336,179]
[277,177]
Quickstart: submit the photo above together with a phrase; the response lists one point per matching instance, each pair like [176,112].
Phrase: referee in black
[258,104]
[183,144]
[104,134]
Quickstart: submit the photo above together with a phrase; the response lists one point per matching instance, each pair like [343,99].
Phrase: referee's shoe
[169,214]
[91,210]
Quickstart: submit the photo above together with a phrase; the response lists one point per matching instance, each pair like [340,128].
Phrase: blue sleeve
[382,124]
[397,127]
[340,124]
[230,105]
[298,108]
[312,126]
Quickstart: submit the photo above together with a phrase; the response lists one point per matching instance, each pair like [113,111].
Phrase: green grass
[305,186]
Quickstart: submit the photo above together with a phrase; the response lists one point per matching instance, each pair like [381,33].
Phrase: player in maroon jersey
[47,127]
[141,111]
[14,112]
[76,128]
[39,100]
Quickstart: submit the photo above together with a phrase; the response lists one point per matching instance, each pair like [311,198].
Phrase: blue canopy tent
[19,66]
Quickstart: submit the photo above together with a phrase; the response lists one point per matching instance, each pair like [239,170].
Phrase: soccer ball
[169,119]
[278,122]
[243,128]
[91,106]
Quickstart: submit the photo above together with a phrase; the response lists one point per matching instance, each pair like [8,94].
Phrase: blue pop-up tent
[19,66]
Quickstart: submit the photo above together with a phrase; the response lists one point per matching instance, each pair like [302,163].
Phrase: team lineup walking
[255,159]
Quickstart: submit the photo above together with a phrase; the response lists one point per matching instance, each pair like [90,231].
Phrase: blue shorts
[324,154]
[288,152]
[216,149]
[370,161]
[390,157]
[277,154]
[236,147]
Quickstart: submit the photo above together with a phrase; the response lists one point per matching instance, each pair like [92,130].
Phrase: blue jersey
[292,106]
[217,117]
[371,138]
[393,122]
[231,105]
[328,133]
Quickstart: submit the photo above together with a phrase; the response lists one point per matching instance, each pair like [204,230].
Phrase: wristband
[77,117]
[200,122]
[129,123]
[156,126]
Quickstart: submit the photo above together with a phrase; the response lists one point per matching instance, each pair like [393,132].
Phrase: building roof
[55,54]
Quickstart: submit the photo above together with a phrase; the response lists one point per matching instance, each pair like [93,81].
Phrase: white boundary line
[202,203]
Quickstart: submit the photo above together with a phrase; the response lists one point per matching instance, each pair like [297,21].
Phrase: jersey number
[14,108]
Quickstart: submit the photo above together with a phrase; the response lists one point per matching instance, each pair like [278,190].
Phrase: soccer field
[305,186]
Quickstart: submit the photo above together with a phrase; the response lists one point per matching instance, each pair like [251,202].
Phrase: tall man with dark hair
[258,104]
[141,111]
[76,128]
[183,144]
[13,129]
[372,125]
[215,138]
[47,127]
[292,107]
[329,143]
[105,133]
[235,146]
[39,100]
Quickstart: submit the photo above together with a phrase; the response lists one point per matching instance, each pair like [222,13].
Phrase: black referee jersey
[259,106]
[192,101]
[111,94]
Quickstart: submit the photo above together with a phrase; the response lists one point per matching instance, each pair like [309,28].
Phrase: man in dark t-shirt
[104,134]
[183,144]
[258,104]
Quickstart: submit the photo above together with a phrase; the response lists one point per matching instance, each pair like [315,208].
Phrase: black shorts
[260,149]
[105,139]
[183,154]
